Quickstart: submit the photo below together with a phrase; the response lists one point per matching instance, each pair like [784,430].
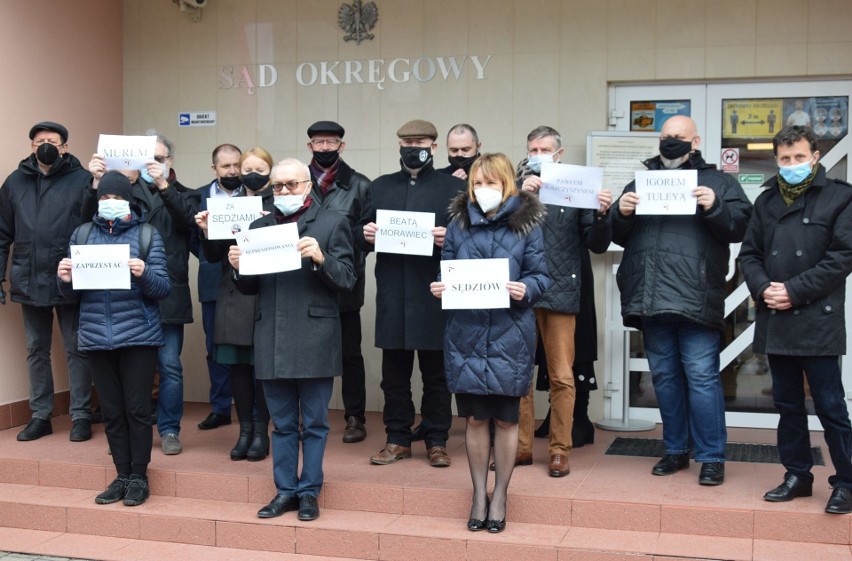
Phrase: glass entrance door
[736,123]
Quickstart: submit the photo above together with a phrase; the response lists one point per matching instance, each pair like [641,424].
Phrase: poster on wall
[620,155]
[763,118]
[649,116]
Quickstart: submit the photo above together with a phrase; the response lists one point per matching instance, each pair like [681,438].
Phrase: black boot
[543,430]
[259,448]
[240,450]
[583,431]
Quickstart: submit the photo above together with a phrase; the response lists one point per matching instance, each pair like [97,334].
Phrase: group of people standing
[275,342]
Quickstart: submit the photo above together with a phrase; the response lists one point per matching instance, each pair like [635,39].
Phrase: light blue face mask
[148,178]
[795,174]
[535,162]
[288,204]
[113,209]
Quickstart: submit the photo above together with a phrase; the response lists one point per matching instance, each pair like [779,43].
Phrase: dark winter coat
[407,315]
[297,334]
[38,212]
[235,311]
[677,264]
[114,319]
[568,232]
[808,247]
[491,352]
[172,213]
[349,196]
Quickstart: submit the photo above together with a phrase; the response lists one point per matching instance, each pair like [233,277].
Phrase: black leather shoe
[279,505]
[712,473]
[115,491]
[840,501]
[354,431]
[35,429]
[495,526]
[308,508]
[670,463]
[214,420]
[81,430]
[240,449]
[475,524]
[793,486]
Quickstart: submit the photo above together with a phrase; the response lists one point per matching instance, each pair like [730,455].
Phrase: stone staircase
[203,507]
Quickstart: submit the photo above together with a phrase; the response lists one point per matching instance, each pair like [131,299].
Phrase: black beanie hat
[115,183]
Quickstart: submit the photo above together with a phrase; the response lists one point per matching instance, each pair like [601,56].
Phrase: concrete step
[61,521]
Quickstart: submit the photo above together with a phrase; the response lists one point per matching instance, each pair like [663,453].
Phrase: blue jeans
[170,402]
[286,399]
[221,395]
[788,390]
[684,361]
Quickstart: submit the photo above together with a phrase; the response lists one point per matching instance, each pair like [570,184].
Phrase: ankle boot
[259,448]
[241,448]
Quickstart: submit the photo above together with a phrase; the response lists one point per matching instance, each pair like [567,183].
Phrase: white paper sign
[570,185]
[475,284]
[100,267]
[269,250]
[405,232]
[666,191]
[231,215]
[126,152]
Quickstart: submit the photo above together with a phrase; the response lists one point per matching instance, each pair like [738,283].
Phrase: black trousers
[353,383]
[124,379]
[397,367]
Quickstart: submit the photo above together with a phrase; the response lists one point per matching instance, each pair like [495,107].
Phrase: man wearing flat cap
[339,188]
[39,209]
[408,318]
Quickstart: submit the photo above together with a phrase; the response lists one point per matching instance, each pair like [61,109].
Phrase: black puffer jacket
[808,247]
[677,264]
[38,213]
[348,196]
[172,213]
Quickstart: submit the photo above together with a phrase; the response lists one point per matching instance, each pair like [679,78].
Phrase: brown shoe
[559,466]
[522,459]
[354,431]
[438,457]
[390,454]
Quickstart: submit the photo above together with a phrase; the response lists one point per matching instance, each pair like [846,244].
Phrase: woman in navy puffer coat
[120,330]
[488,354]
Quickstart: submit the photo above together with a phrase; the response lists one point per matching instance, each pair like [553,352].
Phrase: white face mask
[113,209]
[534,162]
[288,204]
[487,199]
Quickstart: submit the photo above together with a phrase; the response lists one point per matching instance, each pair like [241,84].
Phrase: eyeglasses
[290,185]
[161,159]
[320,142]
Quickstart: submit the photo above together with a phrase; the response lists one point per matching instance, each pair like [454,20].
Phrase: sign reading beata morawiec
[345,72]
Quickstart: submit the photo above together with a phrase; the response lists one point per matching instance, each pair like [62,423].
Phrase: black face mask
[463,162]
[672,148]
[230,183]
[415,157]
[254,181]
[47,153]
[326,159]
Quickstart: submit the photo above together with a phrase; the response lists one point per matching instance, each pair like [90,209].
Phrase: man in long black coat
[408,318]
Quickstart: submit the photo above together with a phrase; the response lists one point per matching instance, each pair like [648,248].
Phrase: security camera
[192,8]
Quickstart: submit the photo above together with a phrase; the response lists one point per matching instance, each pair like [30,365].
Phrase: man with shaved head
[672,282]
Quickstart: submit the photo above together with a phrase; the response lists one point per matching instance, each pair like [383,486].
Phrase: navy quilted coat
[113,319]
[491,352]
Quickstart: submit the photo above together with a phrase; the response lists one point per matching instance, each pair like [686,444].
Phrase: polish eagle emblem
[357,19]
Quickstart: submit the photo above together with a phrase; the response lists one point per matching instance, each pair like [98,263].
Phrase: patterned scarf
[792,192]
[325,177]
